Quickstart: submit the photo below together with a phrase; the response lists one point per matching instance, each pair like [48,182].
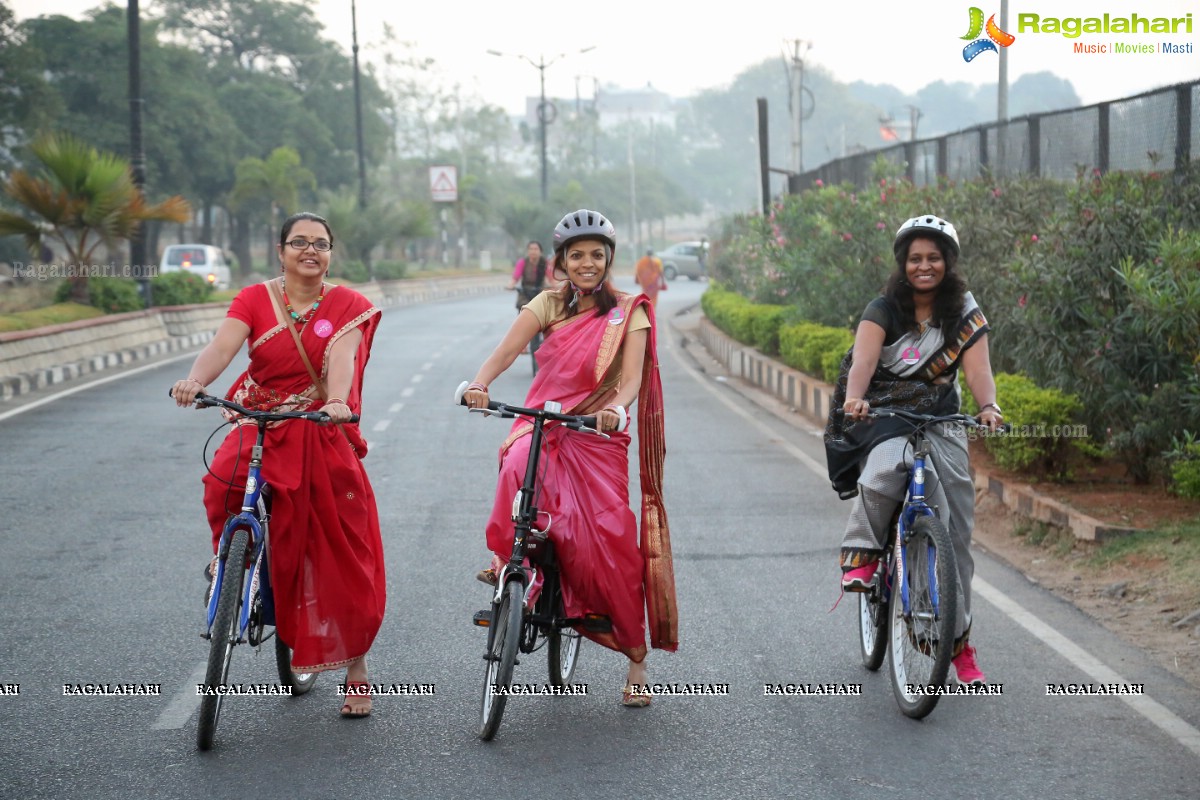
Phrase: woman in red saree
[326,559]
[599,354]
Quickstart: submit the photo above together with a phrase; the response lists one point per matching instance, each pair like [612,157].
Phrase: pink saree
[585,487]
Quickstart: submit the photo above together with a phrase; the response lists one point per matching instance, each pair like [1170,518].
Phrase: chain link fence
[1155,130]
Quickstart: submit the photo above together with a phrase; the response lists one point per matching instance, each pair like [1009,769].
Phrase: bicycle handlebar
[926,419]
[208,401]
[585,423]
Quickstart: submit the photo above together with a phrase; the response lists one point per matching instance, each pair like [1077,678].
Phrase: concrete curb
[394,293]
[806,395]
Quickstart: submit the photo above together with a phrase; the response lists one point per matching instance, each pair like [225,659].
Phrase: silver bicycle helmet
[584,224]
[925,225]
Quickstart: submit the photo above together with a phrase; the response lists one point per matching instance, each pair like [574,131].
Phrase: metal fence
[1155,130]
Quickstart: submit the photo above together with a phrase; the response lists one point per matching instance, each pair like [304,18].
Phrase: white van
[202,260]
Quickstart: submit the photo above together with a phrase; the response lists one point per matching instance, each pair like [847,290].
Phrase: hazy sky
[684,47]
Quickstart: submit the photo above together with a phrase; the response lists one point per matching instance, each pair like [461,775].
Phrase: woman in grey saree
[907,351]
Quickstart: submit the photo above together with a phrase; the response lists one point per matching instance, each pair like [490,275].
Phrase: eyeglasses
[320,245]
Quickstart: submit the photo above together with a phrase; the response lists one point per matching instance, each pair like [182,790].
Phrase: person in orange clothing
[649,276]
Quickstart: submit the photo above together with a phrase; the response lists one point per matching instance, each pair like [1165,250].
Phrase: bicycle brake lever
[489,412]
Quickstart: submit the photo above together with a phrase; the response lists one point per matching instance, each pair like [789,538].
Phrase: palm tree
[265,187]
[81,198]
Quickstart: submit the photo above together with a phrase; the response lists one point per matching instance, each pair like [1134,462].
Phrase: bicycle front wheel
[224,636]
[922,630]
[563,649]
[504,637]
[300,682]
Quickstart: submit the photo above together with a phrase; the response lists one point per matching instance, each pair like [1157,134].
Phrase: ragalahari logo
[995,36]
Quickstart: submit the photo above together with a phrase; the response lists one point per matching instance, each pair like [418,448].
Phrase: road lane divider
[183,704]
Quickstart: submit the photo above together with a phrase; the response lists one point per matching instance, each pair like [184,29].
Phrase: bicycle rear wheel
[224,637]
[563,650]
[300,682]
[872,621]
[921,641]
[504,636]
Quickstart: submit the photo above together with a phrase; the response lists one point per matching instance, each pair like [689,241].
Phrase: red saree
[326,556]
[585,486]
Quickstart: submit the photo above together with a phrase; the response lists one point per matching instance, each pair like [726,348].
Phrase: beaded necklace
[301,320]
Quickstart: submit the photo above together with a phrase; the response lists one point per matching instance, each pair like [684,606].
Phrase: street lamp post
[137,156]
[543,108]
[358,128]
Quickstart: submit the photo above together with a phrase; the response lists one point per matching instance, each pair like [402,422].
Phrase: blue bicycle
[241,606]
[918,561]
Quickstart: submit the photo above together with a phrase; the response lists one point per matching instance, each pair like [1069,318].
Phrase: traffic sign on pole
[443,184]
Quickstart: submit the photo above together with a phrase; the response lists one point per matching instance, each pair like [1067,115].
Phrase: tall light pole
[137,157]
[544,109]
[796,101]
[1002,92]
[362,163]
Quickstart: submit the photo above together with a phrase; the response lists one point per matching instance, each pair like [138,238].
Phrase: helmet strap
[578,293]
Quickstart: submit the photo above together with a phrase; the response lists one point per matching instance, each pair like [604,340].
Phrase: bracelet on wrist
[991,405]
[475,386]
[333,400]
[196,381]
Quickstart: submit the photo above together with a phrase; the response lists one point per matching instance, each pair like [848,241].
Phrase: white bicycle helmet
[584,224]
[924,225]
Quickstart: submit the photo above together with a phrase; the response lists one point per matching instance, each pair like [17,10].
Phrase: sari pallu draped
[326,551]
[585,486]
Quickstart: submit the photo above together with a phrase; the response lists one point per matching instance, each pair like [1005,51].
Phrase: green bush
[1044,427]
[814,349]
[180,289]
[1185,473]
[110,295]
[391,270]
[349,272]
[765,321]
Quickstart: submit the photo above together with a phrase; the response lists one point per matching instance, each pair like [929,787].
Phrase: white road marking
[381,425]
[418,378]
[1155,712]
[180,709]
[406,391]
[428,365]
[92,384]
[394,408]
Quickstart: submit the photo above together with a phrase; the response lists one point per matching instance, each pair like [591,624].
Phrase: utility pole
[1002,92]
[796,102]
[634,240]
[137,156]
[362,163]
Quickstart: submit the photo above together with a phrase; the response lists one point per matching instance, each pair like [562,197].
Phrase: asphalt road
[104,541]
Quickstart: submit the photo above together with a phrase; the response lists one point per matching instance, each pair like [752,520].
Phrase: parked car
[684,258]
[202,260]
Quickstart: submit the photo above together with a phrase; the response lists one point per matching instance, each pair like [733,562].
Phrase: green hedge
[1185,473]
[750,323]
[110,295]
[815,349]
[1045,428]
[179,289]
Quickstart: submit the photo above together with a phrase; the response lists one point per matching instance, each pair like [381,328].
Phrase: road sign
[443,183]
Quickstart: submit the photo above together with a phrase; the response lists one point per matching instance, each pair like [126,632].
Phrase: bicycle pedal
[596,623]
[483,618]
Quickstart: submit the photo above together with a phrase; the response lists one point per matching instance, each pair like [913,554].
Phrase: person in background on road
[327,569]
[702,256]
[907,351]
[529,274]
[599,356]
[649,275]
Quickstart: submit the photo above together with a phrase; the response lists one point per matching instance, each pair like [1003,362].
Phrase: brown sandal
[358,700]
[487,576]
[634,698]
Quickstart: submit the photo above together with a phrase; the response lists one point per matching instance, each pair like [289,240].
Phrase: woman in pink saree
[599,356]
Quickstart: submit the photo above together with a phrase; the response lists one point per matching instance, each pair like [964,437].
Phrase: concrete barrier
[34,359]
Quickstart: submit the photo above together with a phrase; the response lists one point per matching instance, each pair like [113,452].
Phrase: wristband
[477,387]
[991,405]
[333,400]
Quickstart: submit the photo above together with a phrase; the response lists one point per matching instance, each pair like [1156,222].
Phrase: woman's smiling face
[924,267]
[586,263]
[309,263]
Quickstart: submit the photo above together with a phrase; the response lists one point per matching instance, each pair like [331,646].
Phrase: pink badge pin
[616,316]
[911,356]
[323,328]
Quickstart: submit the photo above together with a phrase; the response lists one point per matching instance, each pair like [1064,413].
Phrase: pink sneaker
[859,579]
[966,669]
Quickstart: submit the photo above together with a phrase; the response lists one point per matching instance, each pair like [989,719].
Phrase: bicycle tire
[873,623]
[224,637]
[298,682]
[504,638]
[919,648]
[562,654]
